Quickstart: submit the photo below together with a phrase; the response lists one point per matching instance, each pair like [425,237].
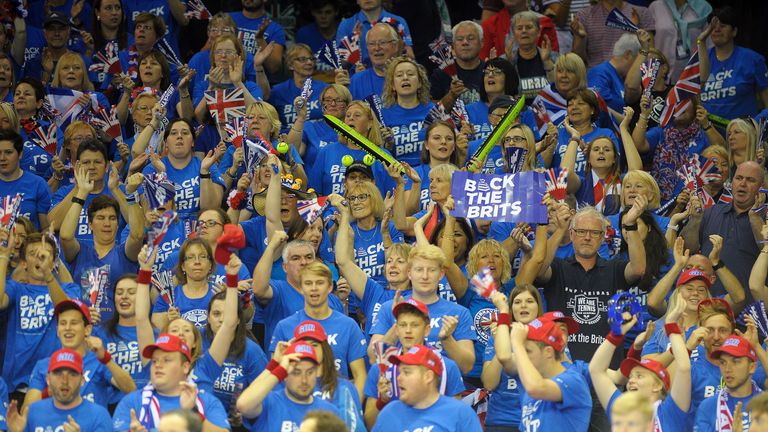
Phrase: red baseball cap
[652,365]
[717,303]
[309,330]
[304,350]
[557,316]
[736,346]
[547,332]
[66,358]
[168,343]
[694,274]
[75,304]
[419,355]
[232,240]
[421,307]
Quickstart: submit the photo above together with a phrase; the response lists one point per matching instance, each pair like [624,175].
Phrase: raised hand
[278,238]
[263,54]
[233,266]
[82,179]
[717,246]
[95,345]
[147,260]
[680,253]
[638,207]
[570,129]
[188,395]
[448,326]
[136,425]
[644,336]
[628,114]
[500,301]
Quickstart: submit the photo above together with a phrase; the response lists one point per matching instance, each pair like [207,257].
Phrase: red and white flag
[225,105]
[687,87]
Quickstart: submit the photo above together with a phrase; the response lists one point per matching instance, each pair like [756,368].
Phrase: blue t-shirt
[201,63]
[346,399]
[35,160]
[454,384]
[344,336]
[218,276]
[116,264]
[286,300]
[609,84]
[124,348]
[504,400]
[495,162]
[571,413]
[83,232]
[733,85]
[3,403]
[365,83]
[161,8]
[706,416]
[214,411]
[232,377]
[31,332]
[408,129]
[563,137]
[97,378]
[171,242]
[45,416]
[36,197]
[255,230]
[369,249]
[279,413]
[310,35]
[193,310]
[282,96]
[317,135]
[327,173]
[465,330]
[478,116]
[248,27]
[187,181]
[445,415]
[347,25]
[374,297]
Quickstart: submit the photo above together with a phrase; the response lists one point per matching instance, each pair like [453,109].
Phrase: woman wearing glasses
[301,63]
[310,136]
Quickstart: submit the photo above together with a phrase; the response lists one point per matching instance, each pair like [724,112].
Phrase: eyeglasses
[209,223]
[584,232]
[380,44]
[492,72]
[196,258]
[225,52]
[514,139]
[305,59]
[221,30]
[361,197]
[332,102]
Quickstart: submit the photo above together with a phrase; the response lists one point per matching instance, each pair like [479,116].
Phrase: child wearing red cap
[737,358]
[648,377]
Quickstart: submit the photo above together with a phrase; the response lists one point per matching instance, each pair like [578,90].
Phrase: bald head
[383,43]
[746,184]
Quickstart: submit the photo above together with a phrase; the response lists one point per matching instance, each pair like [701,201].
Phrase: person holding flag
[103,249]
[35,202]
[301,62]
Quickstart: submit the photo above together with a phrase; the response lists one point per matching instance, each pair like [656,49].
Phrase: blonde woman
[310,136]
[406,103]
[570,75]
[741,136]
[300,61]
[71,74]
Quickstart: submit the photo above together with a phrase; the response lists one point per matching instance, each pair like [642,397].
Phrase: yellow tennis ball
[283,148]
[347,160]
[368,160]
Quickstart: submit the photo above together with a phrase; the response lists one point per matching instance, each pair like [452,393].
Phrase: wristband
[634,353]
[106,359]
[718,266]
[279,372]
[504,318]
[232,280]
[272,364]
[615,340]
[77,200]
[672,328]
[145,277]
[205,176]
[380,404]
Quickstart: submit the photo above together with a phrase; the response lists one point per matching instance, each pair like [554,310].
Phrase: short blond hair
[377,202]
[427,252]
[571,62]
[374,134]
[271,113]
[633,401]
[648,180]
[72,57]
[489,246]
[445,171]
[316,268]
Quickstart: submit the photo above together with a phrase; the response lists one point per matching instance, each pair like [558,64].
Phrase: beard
[253,5]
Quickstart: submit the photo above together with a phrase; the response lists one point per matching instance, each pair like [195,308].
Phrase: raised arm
[528,271]
[535,384]
[223,339]
[691,232]
[345,255]
[569,158]
[736,296]
[261,288]
[272,200]
[70,247]
[639,137]
[562,219]
[633,83]
[636,266]
[144,333]
[657,304]
[142,140]
[680,390]
[633,156]
[456,278]
[135,218]
[6,243]
[760,270]
[250,401]
[502,342]
[211,193]
[403,222]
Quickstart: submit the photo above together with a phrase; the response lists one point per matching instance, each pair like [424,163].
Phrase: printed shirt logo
[586,309]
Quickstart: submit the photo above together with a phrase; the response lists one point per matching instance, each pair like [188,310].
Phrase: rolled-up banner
[618,20]
[501,198]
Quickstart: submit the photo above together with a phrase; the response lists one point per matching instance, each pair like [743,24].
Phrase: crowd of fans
[158,273]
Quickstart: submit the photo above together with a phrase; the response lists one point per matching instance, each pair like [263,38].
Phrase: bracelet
[145,277]
[643,117]
[380,404]
[272,364]
[634,353]
[131,198]
[279,372]
[615,340]
[205,176]
[675,228]
[59,177]
[672,328]
[232,280]
[106,359]
[504,319]
[77,200]
[708,126]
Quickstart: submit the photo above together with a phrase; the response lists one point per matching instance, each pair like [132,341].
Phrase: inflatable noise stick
[497,133]
[372,149]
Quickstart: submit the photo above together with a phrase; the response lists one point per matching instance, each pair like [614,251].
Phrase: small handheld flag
[159,228]
[158,190]
[310,210]
[197,10]
[482,283]
[617,20]
[163,281]
[557,184]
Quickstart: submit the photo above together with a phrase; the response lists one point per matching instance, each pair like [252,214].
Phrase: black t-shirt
[584,295]
[440,83]
[532,75]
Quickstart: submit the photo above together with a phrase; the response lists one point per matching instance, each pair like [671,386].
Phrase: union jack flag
[483,283]
[436,113]
[459,113]
[159,228]
[687,87]
[236,130]
[310,210]
[226,104]
[557,183]
[65,105]
[650,71]
[350,52]
[107,121]
[46,138]
[696,174]
[158,189]
[553,102]
[254,151]
[106,60]
[163,282]
[443,55]
[98,280]
[196,9]
[10,210]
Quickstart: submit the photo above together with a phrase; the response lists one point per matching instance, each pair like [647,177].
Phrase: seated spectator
[321,31]
[36,197]
[383,44]
[170,12]
[310,136]
[534,64]
[496,30]
[56,34]
[110,28]
[677,31]
[570,76]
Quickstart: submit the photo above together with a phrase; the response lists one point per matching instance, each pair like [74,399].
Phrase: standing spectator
[371,13]
[496,30]
[466,85]
[171,12]
[256,30]
[110,27]
[383,45]
[738,225]
[534,64]
[301,62]
[607,78]
[323,29]
[41,65]
[677,28]
[737,84]
[593,40]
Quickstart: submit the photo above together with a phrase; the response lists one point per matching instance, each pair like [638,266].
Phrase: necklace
[360,235]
